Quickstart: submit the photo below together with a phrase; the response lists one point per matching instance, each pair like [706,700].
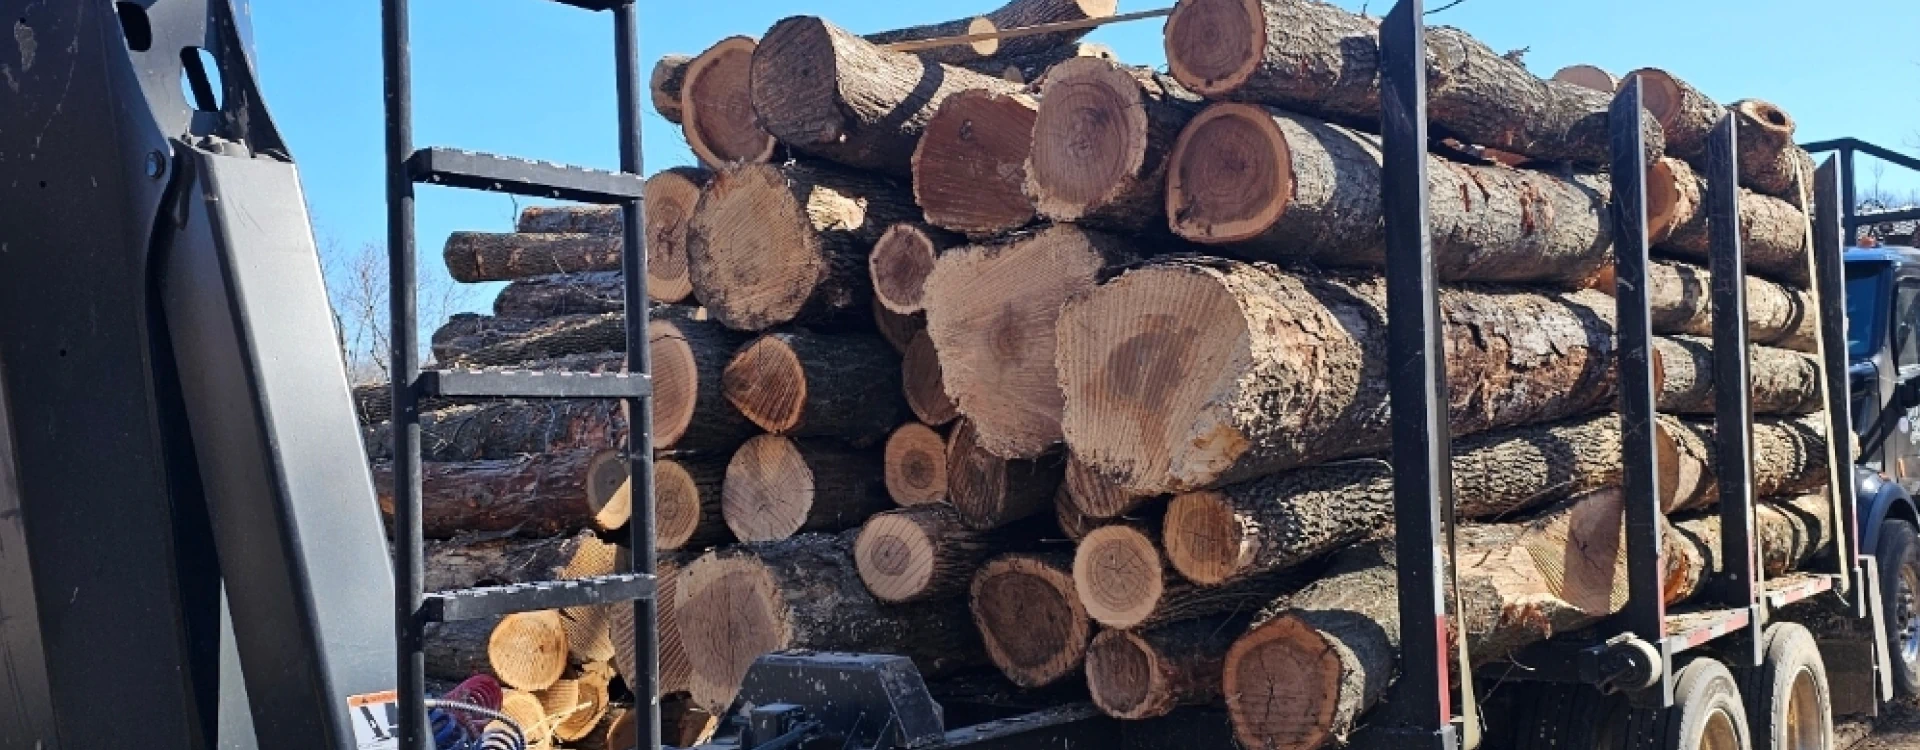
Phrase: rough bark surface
[776,487]
[952,54]
[1191,373]
[690,407]
[1270,185]
[916,465]
[825,91]
[481,256]
[508,429]
[1101,142]
[717,106]
[990,491]
[1789,458]
[586,293]
[1784,382]
[788,243]
[1681,295]
[802,384]
[373,402]
[1787,532]
[1030,618]
[1686,116]
[669,75]
[1148,673]
[535,496]
[902,259]
[1773,237]
[925,386]
[1023,13]
[553,337]
[919,553]
[1032,69]
[458,650]
[672,196]
[471,560]
[569,219]
[1770,161]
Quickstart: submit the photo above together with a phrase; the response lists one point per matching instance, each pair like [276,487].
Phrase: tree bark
[1032,69]
[468,561]
[776,487]
[569,219]
[373,402]
[1314,58]
[1143,674]
[916,465]
[901,261]
[508,429]
[528,650]
[954,54]
[690,407]
[1789,458]
[1031,620]
[672,195]
[990,491]
[669,76]
[554,337]
[970,166]
[737,603]
[1018,14]
[480,256]
[455,651]
[535,496]
[1770,161]
[1124,582]
[1787,532]
[824,91]
[1270,185]
[920,553]
[991,312]
[1101,142]
[1784,382]
[1681,295]
[1773,237]
[1686,116]
[924,384]
[801,384]
[1096,496]
[466,332]
[553,295]
[778,244]
[676,671]
[1192,373]
[716,104]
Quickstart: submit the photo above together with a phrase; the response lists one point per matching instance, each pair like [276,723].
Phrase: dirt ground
[1898,731]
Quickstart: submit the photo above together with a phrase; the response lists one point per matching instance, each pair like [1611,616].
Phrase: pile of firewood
[1008,353]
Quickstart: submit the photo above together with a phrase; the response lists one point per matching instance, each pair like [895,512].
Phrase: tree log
[465,332]
[1096,496]
[897,329]
[1588,76]
[1789,458]
[1125,582]
[569,219]
[924,384]
[777,487]
[455,651]
[1770,162]
[1032,69]
[528,650]
[553,295]
[468,561]
[482,256]
[1314,58]
[672,196]
[1142,674]
[1075,524]
[687,503]
[1772,231]
[953,54]
[1030,618]
[508,429]
[717,106]
[970,166]
[919,553]
[526,710]
[575,705]
[535,496]
[1192,373]
[802,384]
[373,402]
[1018,14]
[777,244]
[1101,141]
[990,491]
[901,261]
[992,312]
[669,77]
[1784,382]
[1787,532]
[554,337]
[916,465]
[1270,185]
[1686,116]
[1682,299]
[824,91]
[690,407]
[676,671]
[737,603]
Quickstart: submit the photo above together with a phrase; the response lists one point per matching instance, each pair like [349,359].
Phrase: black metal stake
[1739,584]
[1829,279]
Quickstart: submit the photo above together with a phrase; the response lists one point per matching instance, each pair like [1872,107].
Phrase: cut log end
[897,329]
[768,491]
[669,75]
[1124,676]
[970,166]
[1661,94]
[1089,139]
[676,381]
[916,465]
[925,385]
[1283,685]
[526,710]
[1206,541]
[528,650]
[1033,624]
[1231,176]
[671,197]
[1097,496]
[1213,46]
[1119,575]
[895,556]
[990,491]
[1672,194]
[1588,77]
[768,384]
[717,113]
[685,506]
[730,612]
[899,266]
[1777,123]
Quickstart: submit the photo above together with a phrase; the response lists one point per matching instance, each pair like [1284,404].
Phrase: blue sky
[536,79]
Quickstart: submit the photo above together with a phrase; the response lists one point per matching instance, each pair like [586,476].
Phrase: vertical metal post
[1646,611]
[1739,584]
[626,51]
[1422,482]
[1848,210]
[1829,282]
[404,370]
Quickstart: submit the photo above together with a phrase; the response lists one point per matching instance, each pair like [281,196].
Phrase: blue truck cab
[1883,355]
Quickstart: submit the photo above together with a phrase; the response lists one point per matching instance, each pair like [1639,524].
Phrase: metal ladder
[413,609]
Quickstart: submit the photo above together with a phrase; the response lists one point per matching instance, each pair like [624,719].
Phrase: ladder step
[533,384]
[492,601]
[507,174]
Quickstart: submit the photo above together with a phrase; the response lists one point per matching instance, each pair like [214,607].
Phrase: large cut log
[1784,382]
[916,465]
[669,77]
[569,219]
[1191,373]
[920,553]
[803,384]
[1271,185]
[528,650]
[1314,58]
[1787,532]
[373,402]
[1142,674]
[672,195]
[990,491]
[1101,142]
[465,332]
[970,167]
[1281,520]
[554,337]
[1773,232]
[1789,458]
[1681,295]
[992,312]
[1125,582]
[508,429]
[540,297]
[716,106]
[737,603]
[687,503]
[676,672]
[690,407]
[825,91]
[777,487]
[1304,675]
[1686,116]
[901,261]
[473,560]
[1095,496]
[536,496]
[1770,161]
[924,384]
[1030,618]
[777,244]
[482,256]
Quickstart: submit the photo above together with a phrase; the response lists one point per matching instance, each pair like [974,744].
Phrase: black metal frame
[1738,585]
[413,608]
[1850,219]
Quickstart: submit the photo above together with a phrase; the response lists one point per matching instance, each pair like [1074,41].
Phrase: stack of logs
[1008,353]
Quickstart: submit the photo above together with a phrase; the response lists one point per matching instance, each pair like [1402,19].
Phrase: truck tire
[1787,696]
[1898,555]
[1707,713]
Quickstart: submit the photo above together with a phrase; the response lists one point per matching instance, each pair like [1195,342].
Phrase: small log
[669,77]
[1787,532]
[672,195]
[1143,674]
[899,330]
[1784,382]
[952,54]
[1019,14]
[526,710]
[465,332]
[1682,302]
[481,256]
[1125,582]
[575,706]
[1096,496]
[1589,77]
[916,465]
[777,487]
[970,166]
[1772,231]
[825,91]
[1029,616]
[555,337]
[777,244]
[1789,458]
[1073,523]
[1192,373]
[1686,116]
[990,491]
[901,261]
[737,603]
[716,106]
[1316,59]
[1271,185]
[539,297]
[919,553]
[687,502]
[991,312]
[676,671]
[569,219]
[802,384]
[508,429]
[535,496]
[923,383]
[470,560]
[1770,161]
[528,650]
[690,407]
[1101,141]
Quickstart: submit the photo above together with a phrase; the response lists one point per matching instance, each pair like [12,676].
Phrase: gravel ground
[1898,731]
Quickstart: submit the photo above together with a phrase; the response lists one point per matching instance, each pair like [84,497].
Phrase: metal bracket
[1624,664]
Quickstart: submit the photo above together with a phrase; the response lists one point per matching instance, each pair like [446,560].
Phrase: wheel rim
[1806,723]
[1906,615]
[1720,733]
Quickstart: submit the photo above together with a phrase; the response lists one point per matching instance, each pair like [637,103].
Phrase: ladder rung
[533,384]
[491,601]
[507,174]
